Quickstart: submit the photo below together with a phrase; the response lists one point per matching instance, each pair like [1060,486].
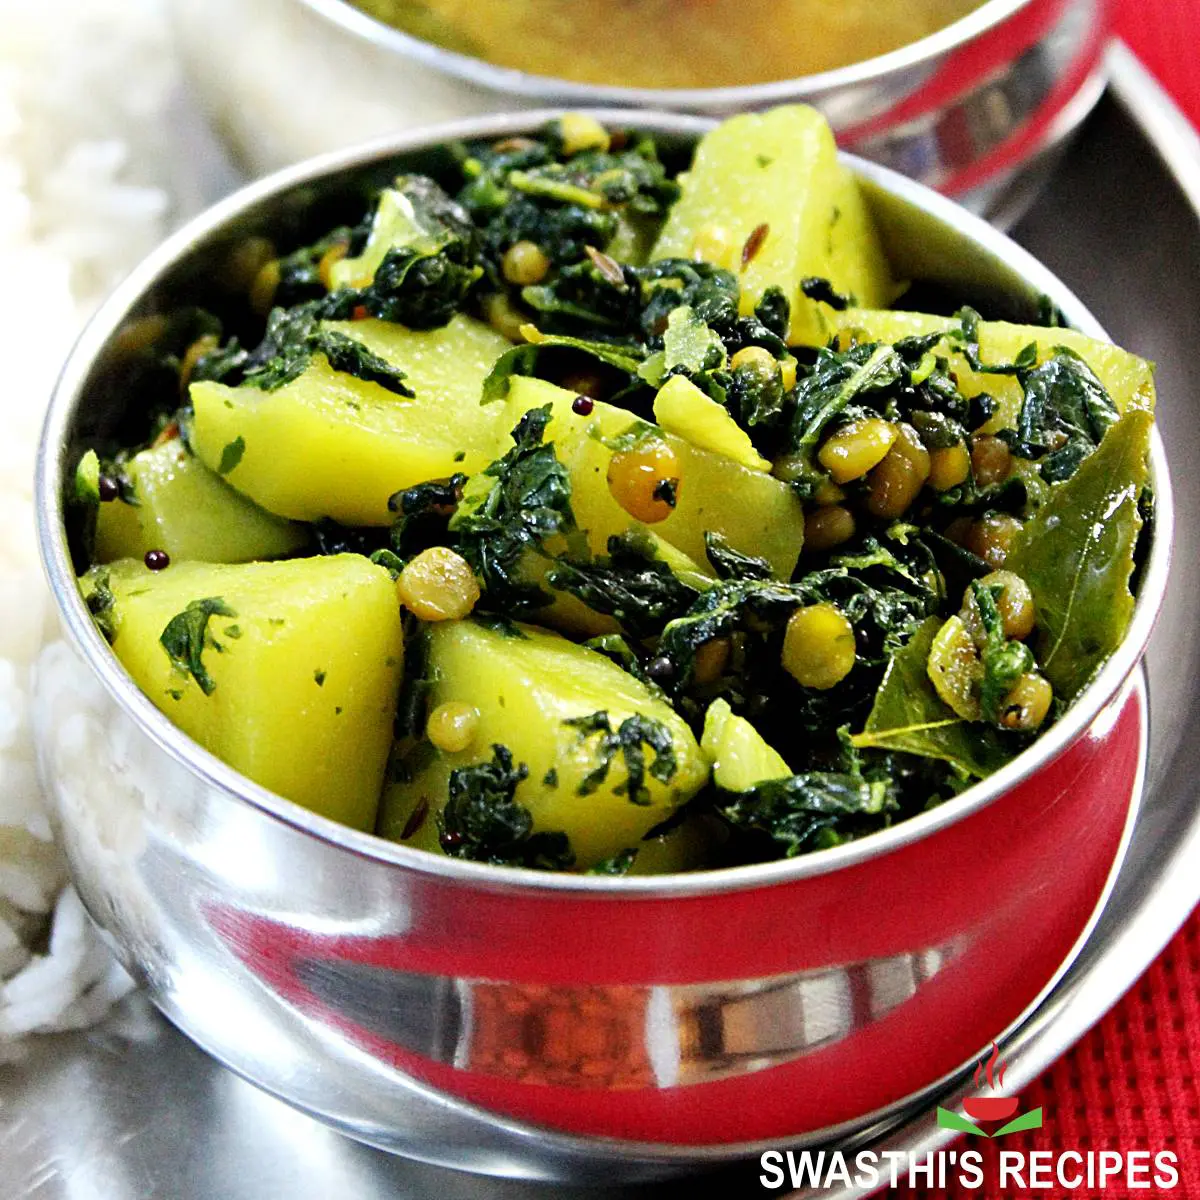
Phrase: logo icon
[990,1109]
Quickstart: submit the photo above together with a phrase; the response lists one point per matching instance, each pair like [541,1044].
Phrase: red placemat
[1130,1084]
[1165,35]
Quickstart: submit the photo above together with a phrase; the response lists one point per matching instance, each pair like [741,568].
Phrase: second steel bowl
[555,1026]
[976,109]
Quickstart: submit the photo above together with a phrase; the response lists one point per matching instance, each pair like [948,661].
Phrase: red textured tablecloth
[1132,1083]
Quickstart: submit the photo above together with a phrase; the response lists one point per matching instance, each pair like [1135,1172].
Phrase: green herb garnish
[186,637]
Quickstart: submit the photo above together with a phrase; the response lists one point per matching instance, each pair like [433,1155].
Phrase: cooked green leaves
[810,810]
[816,288]
[187,636]
[423,514]
[529,359]
[353,358]
[618,864]
[87,479]
[231,455]
[690,347]
[884,597]
[101,603]
[292,337]
[1003,660]
[631,584]
[629,740]
[527,189]
[523,500]
[419,263]
[730,564]
[859,692]
[483,820]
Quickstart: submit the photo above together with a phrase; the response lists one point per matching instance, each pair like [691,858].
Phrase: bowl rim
[550,89]
[81,631]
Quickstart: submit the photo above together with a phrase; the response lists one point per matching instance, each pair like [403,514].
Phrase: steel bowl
[976,109]
[555,1026]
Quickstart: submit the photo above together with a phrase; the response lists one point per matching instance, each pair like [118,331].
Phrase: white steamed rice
[85,123]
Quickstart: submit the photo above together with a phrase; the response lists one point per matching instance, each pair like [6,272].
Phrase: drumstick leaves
[521,500]
[186,637]
[810,810]
[483,820]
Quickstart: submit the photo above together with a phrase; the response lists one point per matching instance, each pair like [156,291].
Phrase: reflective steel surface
[291,955]
[975,109]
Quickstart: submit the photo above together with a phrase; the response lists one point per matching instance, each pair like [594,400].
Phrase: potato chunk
[526,685]
[286,671]
[331,445]
[740,757]
[683,409]
[766,197]
[191,513]
[755,512]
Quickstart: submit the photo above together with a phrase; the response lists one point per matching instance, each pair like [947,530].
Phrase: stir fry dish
[577,512]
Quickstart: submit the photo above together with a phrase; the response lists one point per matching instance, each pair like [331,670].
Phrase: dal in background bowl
[975,109]
[559,1026]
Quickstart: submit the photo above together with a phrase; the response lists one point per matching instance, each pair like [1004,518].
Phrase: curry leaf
[1077,555]
[909,716]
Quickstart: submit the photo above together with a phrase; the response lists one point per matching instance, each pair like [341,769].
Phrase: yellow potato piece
[755,512]
[303,687]
[1129,380]
[779,170]
[685,847]
[683,409]
[740,757]
[525,686]
[330,445]
[191,513]
[858,265]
